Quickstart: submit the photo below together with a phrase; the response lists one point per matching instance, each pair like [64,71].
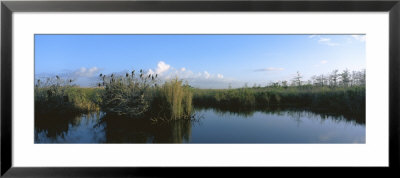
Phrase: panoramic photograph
[200,88]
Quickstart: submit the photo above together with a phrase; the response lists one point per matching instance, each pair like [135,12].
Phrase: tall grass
[337,99]
[140,95]
[130,95]
[173,101]
[57,95]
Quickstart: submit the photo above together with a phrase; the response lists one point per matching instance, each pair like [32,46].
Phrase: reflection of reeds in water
[122,130]
[140,96]
[67,128]
[293,112]
[346,101]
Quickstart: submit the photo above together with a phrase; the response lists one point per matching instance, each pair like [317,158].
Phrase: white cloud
[206,74]
[85,72]
[324,40]
[162,67]
[197,78]
[330,42]
[269,69]
[327,41]
[323,61]
[361,38]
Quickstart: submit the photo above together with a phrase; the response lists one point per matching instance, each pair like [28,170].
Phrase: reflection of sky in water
[284,127]
[215,127]
[84,129]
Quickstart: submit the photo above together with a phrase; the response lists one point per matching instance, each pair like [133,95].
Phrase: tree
[334,77]
[362,78]
[320,80]
[314,80]
[274,84]
[297,79]
[345,76]
[324,80]
[358,77]
[354,78]
[284,84]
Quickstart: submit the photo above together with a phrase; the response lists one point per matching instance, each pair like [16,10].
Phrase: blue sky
[205,61]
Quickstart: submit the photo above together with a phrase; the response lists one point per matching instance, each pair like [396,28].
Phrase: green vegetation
[336,92]
[60,96]
[337,99]
[172,101]
[126,95]
[141,96]
[138,95]
[130,95]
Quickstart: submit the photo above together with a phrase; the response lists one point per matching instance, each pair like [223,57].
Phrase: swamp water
[212,126]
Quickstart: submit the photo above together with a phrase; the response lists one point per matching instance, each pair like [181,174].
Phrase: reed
[57,95]
[172,101]
[140,95]
[340,99]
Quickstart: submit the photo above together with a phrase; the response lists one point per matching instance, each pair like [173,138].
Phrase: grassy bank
[335,99]
[131,95]
[140,95]
[67,99]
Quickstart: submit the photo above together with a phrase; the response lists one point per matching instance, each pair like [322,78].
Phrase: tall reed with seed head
[127,95]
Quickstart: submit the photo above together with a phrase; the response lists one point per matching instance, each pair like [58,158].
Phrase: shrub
[126,95]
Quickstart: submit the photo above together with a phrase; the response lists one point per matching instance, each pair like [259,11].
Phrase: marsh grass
[172,101]
[335,99]
[141,96]
[57,95]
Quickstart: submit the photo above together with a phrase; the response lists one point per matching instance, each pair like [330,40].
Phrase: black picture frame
[8,7]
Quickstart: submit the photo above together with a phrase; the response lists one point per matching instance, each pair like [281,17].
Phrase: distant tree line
[346,78]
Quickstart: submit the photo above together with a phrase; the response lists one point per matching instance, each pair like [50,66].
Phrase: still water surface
[212,126]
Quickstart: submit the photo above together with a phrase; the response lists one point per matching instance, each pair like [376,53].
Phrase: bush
[126,95]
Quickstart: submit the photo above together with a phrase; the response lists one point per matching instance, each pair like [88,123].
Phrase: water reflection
[216,126]
[123,130]
[292,111]
[57,128]
[276,127]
